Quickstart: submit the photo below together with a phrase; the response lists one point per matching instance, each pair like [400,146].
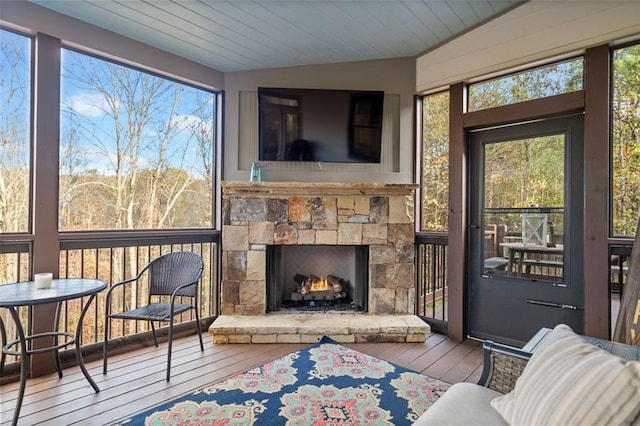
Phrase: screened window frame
[216,138]
[420,160]
[31,143]
[612,235]
[512,72]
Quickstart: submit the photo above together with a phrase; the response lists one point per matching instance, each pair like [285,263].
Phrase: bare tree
[142,149]
[141,140]
[14,134]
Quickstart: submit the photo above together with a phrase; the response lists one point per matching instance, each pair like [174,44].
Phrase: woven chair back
[172,270]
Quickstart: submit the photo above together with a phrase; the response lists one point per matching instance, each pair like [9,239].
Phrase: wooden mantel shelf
[276,188]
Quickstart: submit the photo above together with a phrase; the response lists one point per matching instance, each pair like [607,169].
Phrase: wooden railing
[619,255]
[431,279]
[113,257]
[15,265]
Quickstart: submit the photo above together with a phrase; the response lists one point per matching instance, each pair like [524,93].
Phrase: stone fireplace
[261,216]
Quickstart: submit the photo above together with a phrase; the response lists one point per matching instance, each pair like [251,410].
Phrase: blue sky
[91,116]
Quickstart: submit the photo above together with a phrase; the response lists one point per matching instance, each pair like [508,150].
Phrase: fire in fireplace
[327,278]
[317,292]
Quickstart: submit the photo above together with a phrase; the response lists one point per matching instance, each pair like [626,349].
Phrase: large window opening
[548,80]
[137,150]
[431,250]
[15,133]
[435,162]
[625,141]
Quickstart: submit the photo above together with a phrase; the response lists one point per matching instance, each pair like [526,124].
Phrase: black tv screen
[320,125]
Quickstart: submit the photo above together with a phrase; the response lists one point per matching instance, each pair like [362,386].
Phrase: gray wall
[396,77]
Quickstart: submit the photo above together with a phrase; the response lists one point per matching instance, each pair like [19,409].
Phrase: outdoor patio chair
[174,276]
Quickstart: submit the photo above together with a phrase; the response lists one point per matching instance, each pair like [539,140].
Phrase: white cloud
[88,105]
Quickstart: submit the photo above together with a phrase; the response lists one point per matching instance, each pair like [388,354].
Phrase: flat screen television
[320,125]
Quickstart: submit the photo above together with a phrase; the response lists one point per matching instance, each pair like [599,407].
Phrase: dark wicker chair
[504,364]
[175,275]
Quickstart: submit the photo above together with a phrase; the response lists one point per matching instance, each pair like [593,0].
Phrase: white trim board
[533,32]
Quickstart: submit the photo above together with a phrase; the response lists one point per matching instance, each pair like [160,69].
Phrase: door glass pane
[523,208]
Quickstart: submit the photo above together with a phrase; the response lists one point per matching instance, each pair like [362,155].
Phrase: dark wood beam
[44,204]
[551,106]
[596,187]
[456,260]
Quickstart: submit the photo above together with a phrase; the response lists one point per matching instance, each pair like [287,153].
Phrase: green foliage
[435,162]
[625,142]
[525,173]
[519,173]
[554,79]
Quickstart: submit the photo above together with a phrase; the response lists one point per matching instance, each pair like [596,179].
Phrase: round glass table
[15,295]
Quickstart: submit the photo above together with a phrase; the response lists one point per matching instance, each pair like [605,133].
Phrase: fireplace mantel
[241,189]
[259,214]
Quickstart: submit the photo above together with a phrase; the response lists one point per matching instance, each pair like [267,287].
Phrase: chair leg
[170,344]
[153,330]
[3,357]
[105,345]
[199,328]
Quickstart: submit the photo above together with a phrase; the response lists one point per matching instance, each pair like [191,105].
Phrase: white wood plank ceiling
[247,35]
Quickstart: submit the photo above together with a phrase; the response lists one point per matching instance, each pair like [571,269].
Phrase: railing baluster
[89,258]
[431,282]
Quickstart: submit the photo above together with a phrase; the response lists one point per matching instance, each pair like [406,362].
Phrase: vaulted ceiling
[245,35]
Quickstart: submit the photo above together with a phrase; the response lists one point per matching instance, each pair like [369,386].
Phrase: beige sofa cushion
[570,382]
[463,404]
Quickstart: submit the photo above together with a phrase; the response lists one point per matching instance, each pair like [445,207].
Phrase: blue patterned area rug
[322,384]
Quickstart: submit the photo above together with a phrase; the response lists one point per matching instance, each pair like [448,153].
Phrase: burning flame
[319,285]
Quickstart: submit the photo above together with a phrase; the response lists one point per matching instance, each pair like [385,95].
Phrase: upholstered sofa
[569,379]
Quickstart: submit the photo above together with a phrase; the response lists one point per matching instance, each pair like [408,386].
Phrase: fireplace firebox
[317,278]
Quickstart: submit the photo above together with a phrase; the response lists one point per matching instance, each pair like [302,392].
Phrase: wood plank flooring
[136,380]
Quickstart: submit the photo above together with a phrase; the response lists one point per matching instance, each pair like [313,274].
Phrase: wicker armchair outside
[174,274]
[504,364]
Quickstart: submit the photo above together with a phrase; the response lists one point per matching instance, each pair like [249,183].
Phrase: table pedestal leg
[79,345]
[24,364]
[25,353]
[510,264]
[3,356]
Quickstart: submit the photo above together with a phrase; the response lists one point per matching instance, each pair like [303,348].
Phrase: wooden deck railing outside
[112,258]
[431,280]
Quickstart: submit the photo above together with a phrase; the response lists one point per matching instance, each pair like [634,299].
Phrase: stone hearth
[259,214]
[309,328]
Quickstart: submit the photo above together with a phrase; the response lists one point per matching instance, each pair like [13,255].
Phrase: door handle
[474,226]
[554,305]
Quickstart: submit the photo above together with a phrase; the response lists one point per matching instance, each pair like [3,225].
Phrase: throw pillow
[568,381]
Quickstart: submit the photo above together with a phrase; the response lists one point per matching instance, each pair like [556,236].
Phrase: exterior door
[525,233]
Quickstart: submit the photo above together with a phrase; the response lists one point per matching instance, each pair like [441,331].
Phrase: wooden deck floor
[136,380]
